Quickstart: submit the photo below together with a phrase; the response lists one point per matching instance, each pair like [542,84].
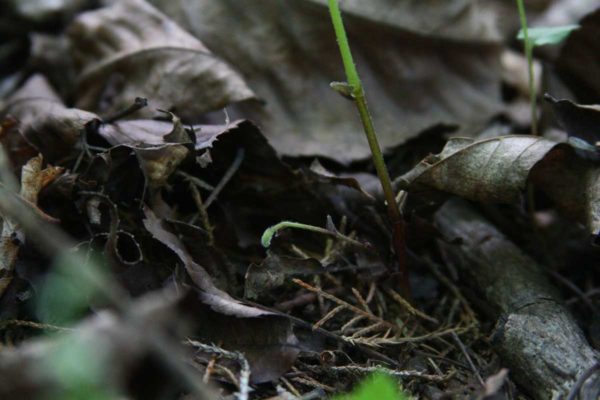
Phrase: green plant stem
[529,54]
[272,230]
[359,97]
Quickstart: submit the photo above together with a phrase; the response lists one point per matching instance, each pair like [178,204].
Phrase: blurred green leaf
[80,368]
[377,387]
[70,288]
[548,35]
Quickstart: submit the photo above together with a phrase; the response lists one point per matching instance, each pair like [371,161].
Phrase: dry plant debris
[146,145]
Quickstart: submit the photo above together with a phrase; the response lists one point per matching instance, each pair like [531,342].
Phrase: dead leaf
[273,272]
[497,170]
[578,63]
[582,121]
[264,337]
[155,144]
[51,127]
[129,49]
[416,70]
[494,383]
[33,180]
[491,170]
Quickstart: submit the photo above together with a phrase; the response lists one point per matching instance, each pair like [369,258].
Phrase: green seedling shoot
[267,236]
[538,37]
[378,386]
[353,90]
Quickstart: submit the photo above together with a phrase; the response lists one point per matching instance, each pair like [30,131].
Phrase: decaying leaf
[578,63]
[581,121]
[33,179]
[498,170]
[274,270]
[129,49]
[51,127]
[433,62]
[492,170]
[266,338]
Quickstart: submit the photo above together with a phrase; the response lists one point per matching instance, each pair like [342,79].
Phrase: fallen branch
[535,334]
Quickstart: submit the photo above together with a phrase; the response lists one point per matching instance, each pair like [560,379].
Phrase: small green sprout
[353,89]
[537,37]
[267,236]
[377,387]
[543,36]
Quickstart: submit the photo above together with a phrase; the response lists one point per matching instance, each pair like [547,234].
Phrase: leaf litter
[136,187]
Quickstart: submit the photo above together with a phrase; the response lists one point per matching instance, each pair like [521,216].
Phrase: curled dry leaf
[33,180]
[497,170]
[492,170]
[581,121]
[46,123]
[266,338]
[413,80]
[160,146]
[129,49]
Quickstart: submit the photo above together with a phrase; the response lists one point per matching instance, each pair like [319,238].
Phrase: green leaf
[379,386]
[547,35]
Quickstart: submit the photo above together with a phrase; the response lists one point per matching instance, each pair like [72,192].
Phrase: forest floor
[146,146]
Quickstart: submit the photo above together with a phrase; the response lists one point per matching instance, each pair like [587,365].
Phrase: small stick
[203,214]
[239,157]
[349,306]
[404,303]
[468,358]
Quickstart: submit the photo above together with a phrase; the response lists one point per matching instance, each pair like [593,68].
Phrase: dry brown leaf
[51,127]
[286,50]
[492,170]
[129,49]
[498,169]
[578,63]
[266,338]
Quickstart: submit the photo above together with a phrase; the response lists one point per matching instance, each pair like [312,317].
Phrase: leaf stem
[528,45]
[359,97]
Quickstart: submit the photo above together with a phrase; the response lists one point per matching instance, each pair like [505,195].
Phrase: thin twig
[203,214]
[32,324]
[195,180]
[463,349]
[328,316]
[361,300]
[404,303]
[574,392]
[239,157]
[349,306]
[244,381]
